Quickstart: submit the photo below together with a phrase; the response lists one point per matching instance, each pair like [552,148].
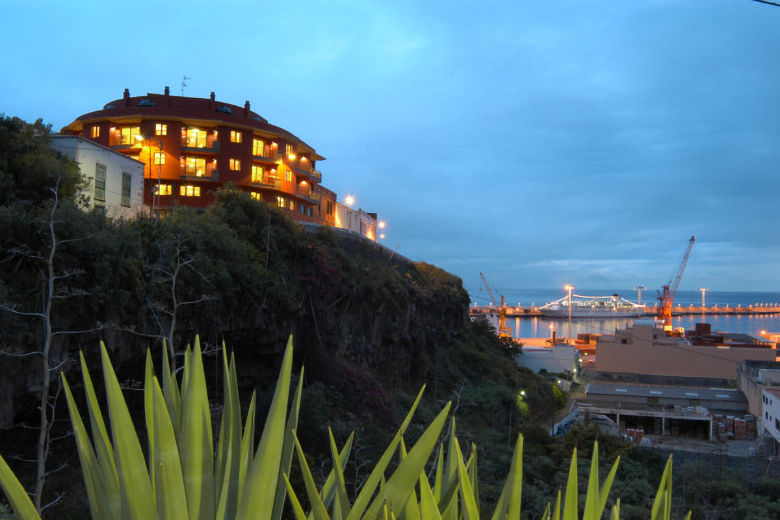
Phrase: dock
[521,311]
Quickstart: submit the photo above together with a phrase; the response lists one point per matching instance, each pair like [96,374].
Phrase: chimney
[126,97]
[167,95]
[246,109]
[211,102]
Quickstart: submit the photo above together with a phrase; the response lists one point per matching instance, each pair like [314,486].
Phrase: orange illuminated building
[192,146]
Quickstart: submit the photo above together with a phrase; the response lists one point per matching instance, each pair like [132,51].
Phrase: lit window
[235,164]
[258,147]
[160,129]
[159,157]
[188,190]
[292,205]
[95,131]
[255,195]
[289,150]
[194,137]
[130,135]
[162,189]
[235,136]
[257,173]
[126,182]
[100,182]
[195,166]
[280,201]
[288,175]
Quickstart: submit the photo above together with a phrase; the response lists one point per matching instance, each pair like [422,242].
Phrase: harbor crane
[503,330]
[666,299]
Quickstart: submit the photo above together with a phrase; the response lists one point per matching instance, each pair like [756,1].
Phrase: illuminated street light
[382,224]
[382,236]
[569,288]
[349,200]
[703,290]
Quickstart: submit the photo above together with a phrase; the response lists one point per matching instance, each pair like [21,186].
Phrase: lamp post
[569,288]
[155,196]
[703,291]
[639,289]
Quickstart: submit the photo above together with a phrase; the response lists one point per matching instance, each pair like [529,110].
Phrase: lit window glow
[163,189]
[130,135]
[257,173]
[194,137]
[235,164]
[258,147]
[188,190]
[255,195]
[159,157]
[95,131]
[235,136]
[195,166]
[160,129]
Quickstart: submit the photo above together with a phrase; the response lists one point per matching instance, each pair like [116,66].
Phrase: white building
[115,181]
[356,220]
[770,415]
[558,359]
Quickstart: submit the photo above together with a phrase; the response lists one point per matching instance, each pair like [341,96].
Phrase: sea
[540,327]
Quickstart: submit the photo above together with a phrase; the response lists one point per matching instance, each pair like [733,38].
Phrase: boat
[592,307]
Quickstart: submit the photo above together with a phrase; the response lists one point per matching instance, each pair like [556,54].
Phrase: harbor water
[538,327]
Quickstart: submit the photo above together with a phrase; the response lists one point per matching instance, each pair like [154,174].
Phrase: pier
[521,311]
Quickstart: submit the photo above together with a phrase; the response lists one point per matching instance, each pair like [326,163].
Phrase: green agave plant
[184,477]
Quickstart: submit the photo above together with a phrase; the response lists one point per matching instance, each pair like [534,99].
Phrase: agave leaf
[510,500]
[450,484]
[615,511]
[411,510]
[341,503]
[260,486]
[149,415]
[169,481]
[570,509]
[547,512]
[606,486]
[287,449]
[451,508]
[366,492]
[470,507]
[196,446]
[171,391]
[15,493]
[658,510]
[104,450]
[294,502]
[557,509]
[229,444]
[439,474]
[318,510]
[471,467]
[429,510]
[247,443]
[404,478]
[136,489]
[592,497]
[328,491]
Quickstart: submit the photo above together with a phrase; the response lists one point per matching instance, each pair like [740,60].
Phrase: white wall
[88,155]
[770,413]
[355,220]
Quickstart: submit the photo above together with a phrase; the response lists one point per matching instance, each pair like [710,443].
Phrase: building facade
[190,147]
[115,182]
[770,418]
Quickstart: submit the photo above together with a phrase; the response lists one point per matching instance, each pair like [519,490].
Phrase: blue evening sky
[540,142]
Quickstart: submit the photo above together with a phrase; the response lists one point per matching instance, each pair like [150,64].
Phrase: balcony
[265,159]
[213,148]
[314,198]
[269,182]
[214,177]
[314,175]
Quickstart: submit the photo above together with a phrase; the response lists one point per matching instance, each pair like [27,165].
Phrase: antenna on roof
[184,83]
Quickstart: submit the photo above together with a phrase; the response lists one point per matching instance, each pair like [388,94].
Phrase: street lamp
[349,200]
[639,289]
[569,288]
[703,290]
[156,196]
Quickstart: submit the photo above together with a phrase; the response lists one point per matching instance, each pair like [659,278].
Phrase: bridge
[521,311]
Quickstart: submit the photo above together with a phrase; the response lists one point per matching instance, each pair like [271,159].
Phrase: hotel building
[190,147]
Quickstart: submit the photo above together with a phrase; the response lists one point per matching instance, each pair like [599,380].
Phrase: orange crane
[503,330]
[666,299]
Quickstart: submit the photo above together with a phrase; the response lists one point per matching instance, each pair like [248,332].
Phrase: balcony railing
[214,148]
[269,159]
[268,182]
[308,195]
[314,175]
[214,177]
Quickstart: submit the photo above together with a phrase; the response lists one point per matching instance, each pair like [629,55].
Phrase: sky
[540,142]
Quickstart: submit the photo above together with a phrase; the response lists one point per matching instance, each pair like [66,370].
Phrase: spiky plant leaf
[294,502]
[104,449]
[169,481]
[429,509]
[606,486]
[260,486]
[319,512]
[171,391]
[437,483]
[149,414]
[341,502]
[398,488]
[615,514]
[470,506]
[658,511]
[287,449]
[196,445]
[377,474]
[247,442]
[15,493]
[592,497]
[96,493]
[508,506]
[328,491]
[138,501]
[570,509]
[411,510]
